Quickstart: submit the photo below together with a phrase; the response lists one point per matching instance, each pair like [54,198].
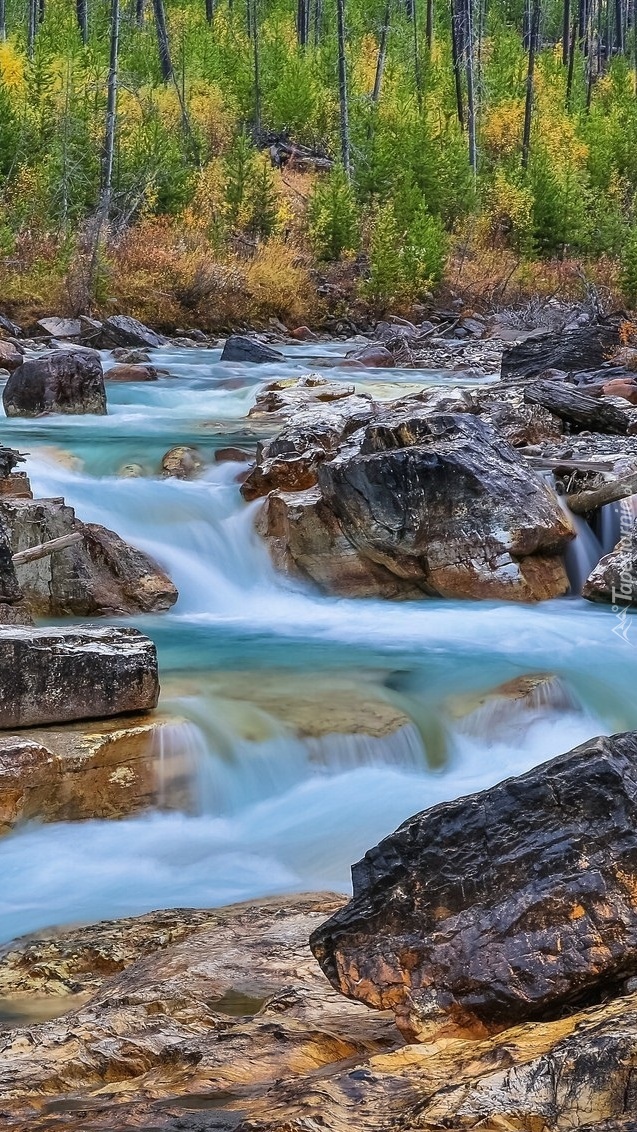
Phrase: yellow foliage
[212,115]
[11,67]
[279,283]
[508,207]
[364,65]
[502,127]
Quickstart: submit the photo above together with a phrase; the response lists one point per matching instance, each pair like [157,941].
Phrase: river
[245,654]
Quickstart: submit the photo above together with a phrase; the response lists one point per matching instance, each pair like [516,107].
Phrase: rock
[8,326]
[238,348]
[522,425]
[70,347]
[131,373]
[131,357]
[99,576]
[91,328]
[107,769]
[473,326]
[183,463]
[291,395]
[231,455]
[614,579]
[60,327]
[131,471]
[304,334]
[625,389]
[373,357]
[120,330]
[504,906]
[59,382]
[10,591]
[11,356]
[58,675]
[173,1011]
[583,349]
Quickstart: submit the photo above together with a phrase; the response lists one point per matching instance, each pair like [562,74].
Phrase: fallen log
[579,409]
[584,501]
[34,553]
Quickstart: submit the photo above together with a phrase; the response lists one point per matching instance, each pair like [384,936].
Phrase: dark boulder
[614,579]
[239,348]
[584,349]
[10,591]
[57,675]
[59,382]
[507,905]
[120,330]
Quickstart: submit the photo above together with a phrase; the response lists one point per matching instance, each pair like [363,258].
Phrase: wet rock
[621,387]
[290,395]
[504,906]
[10,591]
[8,326]
[59,382]
[522,425]
[11,356]
[178,1009]
[107,769]
[303,334]
[183,463]
[373,357]
[100,576]
[60,327]
[120,330]
[58,675]
[131,357]
[583,349]
[131,471]
[614,579]
[124,372]
[231,455]
[91,328]
[239,348]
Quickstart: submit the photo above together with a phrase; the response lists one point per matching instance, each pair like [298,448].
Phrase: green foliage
[333,216]
[629,266]
[404,261]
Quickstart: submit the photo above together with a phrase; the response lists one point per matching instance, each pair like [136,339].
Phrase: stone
[11,356]
[624,388]
[8,326]
[58,675]
[172,1011]
[108,769]
[59,382]
[232,455]
[71,347]
[373,356]
[121,330]
[60,327]
[183,463]
[287,397]
[303,334]
[505,906]
[123,372]
[614,578]
[10,591]
[131,357]
[583,349]
[91,328]
[523,425]
[239,348]
[100,576]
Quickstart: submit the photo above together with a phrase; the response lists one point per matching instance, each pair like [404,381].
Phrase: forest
[211,164]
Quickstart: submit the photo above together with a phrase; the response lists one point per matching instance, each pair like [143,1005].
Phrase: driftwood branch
[611,492]
[580,409]
[33,553]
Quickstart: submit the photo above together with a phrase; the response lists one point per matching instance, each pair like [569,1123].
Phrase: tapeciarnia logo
[624,623]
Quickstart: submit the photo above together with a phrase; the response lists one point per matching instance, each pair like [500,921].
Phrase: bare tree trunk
[81,8]
[3,21]
[318,21]
[619,27]
[382,54]
[571,65]
[471,106]
[165,61]
[457,70]
[417,74]
[530,74]
[566,26]
[41,11]
[111,114]
[342,90]
[257,69]
[210,11]
[429,24]
[32,16]
[303,22]
[140,11]
[635,41]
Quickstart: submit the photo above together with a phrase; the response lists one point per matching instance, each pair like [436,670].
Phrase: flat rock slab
[504,906]
[59,675]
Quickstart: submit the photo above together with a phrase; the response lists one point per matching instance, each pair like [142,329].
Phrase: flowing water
[314,725]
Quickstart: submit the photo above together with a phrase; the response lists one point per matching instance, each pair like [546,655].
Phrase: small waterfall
[584,551]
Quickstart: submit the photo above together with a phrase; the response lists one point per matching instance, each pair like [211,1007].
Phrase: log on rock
[579,409]
[505,906]
[585,501]
[58,675]
[584,349]
[35,553]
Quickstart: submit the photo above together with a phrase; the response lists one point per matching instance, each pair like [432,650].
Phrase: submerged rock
[100,575]
[182,462]
[108,769]
[131,372]
[59,382]
[59,675]
[239,348]
[614,579]
[504,906]
[412,502]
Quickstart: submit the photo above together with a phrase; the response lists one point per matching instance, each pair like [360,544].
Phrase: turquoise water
[277,812]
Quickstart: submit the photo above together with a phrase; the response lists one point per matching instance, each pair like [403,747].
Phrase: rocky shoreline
[494,937]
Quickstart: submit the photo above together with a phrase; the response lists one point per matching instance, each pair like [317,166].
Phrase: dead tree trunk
[586,501]
[457,69]
[579,409]
[566,26]
[530,73]
[342,90]
[31,30]
[256,56]
[81,9]
[3,21]
[471,105]
[382,54]
[163,46]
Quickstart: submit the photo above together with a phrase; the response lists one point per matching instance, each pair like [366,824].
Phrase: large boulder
[121,330]
[11,356]
[58,675]
[239,348]
[59,382]
[432,503]
[100,575]
[573,350]
[60,327]
[614,579]
[507,905]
